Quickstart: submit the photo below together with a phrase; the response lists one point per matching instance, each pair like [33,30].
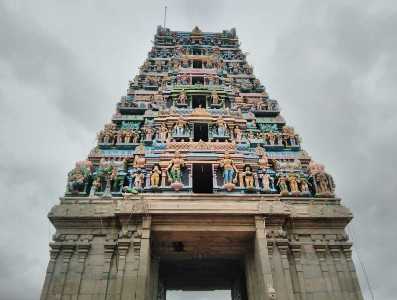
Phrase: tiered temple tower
[197,183]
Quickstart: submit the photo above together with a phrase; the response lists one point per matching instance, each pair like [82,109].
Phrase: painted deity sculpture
[238,134]
[104,172]
[155,176]
[149,133]
[293,183]
[139,180]
[229,170]
[221,126]
[267,182]
[127,137]
[174,171]
[163,133]
[78,177]
[180,127]
[139,161]
[182,98]
[248,176]
[282,185]
[96,185]
[304,185]
[215,98]
[323,182]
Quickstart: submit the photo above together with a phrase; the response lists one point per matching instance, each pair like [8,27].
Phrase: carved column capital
[109,248]
[55,248]
[122,246]
[320,250]
[296,250]
[335,251]
[68,250]
[347,250]
[82,250]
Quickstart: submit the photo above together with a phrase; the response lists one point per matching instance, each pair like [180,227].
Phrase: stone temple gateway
[197,183]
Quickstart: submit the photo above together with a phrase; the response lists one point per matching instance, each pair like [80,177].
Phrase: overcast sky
[64,64]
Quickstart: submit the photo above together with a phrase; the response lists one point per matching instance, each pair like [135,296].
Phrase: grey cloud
[335,72]
[63,65]
[37,58]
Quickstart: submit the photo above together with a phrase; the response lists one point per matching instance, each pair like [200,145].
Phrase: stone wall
[102,249]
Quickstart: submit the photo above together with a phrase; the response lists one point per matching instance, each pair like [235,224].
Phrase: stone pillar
[338,277]
[142,291]
[262,263]
[296,250]
[123,246]
[67,251]
[321,252]
[82,251]
[282,268]
[55,248]
[251,277]
[108,255]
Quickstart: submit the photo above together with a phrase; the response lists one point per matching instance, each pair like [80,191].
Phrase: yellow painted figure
[155,176]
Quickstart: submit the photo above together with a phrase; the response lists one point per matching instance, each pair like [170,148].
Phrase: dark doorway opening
[197,80]
[200,132]
[202,178]
[198,100]
[197,64]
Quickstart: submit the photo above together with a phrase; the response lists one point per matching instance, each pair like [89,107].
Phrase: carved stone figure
[215,98]
[174,170]
[248,176]
[323,182]
[77,178]
[139,180]
[182,98]
[267,181]
[163,133]
[139,161]
[250,136]
[229,170]
[119,137]
[155,176]
[304,184]
[149,133]
[105,171]
[293,183]
[127,137]
[238,134]
[96,185]
[221,126]
[263,162]
[282,185]
[136,136]
[179,127]
[271,138]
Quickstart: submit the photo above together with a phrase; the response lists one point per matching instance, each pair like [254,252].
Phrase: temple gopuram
[198,184]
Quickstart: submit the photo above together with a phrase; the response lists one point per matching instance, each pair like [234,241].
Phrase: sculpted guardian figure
[174,171]
[155,176]
[229,170]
